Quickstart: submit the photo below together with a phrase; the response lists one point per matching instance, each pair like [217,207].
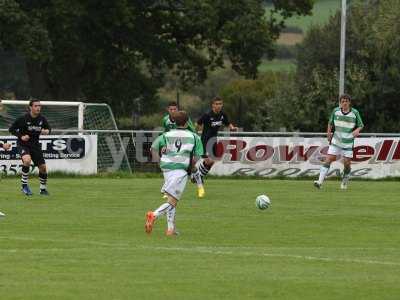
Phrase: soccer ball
[263,202]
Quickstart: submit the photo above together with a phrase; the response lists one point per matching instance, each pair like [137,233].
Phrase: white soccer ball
[263,202]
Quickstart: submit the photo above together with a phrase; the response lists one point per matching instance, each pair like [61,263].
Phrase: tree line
[120,51]
[123,52]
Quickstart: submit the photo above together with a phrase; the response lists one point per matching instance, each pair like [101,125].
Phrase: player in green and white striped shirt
[179,148]
[168,123]
[344,126]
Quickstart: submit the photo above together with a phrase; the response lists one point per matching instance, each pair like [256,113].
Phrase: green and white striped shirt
[178,147]
[168,124]
[344,125]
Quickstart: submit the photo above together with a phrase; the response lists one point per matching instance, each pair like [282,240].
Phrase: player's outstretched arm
[199,127]
[329,133]
[155,155]
[6,146]
[232,127]
[157,148]
[227,123]
[357,131]
[200,123]
[359,125]
[15,128]
[46,127]
[193,164]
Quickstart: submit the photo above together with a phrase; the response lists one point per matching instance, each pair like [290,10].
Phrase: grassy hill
[277,65]
[322,11]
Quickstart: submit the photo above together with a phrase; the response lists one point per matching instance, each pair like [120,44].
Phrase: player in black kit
[28,128]
[210,123]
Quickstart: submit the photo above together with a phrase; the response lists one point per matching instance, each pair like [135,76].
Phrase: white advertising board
[67,153]
[299,156]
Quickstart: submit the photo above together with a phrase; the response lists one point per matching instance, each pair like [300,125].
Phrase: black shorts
[35,153]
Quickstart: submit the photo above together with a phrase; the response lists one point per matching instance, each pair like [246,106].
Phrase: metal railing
[130,149]
[221,133]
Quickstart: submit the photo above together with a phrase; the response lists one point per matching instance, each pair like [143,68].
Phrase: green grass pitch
[87,241]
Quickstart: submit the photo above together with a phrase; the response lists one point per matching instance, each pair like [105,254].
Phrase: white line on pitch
[204,250]
[118,244]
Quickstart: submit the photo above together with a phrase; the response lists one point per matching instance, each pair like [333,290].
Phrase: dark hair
[172,103]
[33,101]
[215,99]
[345,96]
[180,118]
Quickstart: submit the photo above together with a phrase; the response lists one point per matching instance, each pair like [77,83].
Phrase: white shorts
[337,151]
[174,183]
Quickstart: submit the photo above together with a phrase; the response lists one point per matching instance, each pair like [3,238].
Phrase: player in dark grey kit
[210,123]
[28,128]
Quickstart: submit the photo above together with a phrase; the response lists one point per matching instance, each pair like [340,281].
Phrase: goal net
[72,117]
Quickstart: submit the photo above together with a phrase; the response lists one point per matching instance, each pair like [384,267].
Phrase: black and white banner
[67,153]
[298,156]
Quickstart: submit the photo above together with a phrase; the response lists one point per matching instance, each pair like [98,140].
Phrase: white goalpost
[62,116]
[78,117]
